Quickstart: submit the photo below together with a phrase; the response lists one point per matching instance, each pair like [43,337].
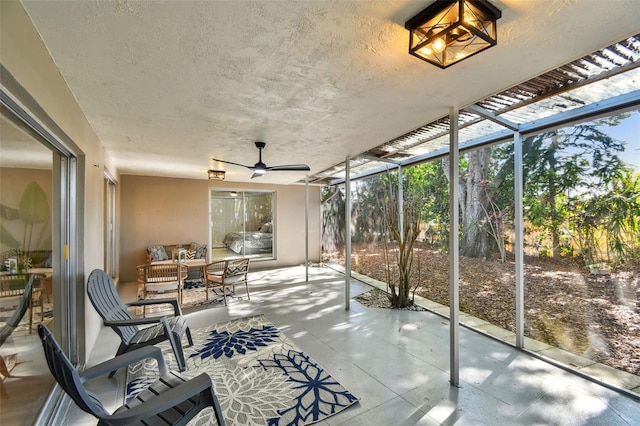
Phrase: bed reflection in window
[242,224]
[250,242]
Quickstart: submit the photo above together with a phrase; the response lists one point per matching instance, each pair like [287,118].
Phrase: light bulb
[425,51]
[438,45]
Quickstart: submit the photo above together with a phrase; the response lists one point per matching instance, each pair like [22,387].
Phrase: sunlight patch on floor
[442,411]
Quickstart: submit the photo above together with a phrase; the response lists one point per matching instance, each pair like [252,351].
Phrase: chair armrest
[134,321]
[124,360]
[161,402]
[171,300]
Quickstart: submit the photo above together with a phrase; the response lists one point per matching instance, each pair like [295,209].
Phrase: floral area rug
[260,377]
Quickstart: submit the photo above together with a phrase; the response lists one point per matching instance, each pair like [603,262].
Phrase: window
[109,227]
[242,224]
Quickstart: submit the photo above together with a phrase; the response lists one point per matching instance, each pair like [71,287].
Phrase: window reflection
[26,271]
[242,224]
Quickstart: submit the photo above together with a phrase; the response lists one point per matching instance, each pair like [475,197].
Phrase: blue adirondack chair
[105,299]
[171,399]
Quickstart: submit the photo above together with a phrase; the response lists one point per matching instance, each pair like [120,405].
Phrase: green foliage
[435,211]
[32,210]
[570,177]
[579,199]
[612,215]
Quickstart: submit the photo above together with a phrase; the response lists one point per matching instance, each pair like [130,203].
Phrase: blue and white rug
[259,376]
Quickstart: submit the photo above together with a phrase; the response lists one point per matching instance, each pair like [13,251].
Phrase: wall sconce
[215,174]
[448,31]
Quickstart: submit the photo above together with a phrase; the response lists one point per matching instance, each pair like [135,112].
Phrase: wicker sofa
[161,253]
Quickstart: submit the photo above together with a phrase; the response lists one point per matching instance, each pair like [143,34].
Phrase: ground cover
[596,316]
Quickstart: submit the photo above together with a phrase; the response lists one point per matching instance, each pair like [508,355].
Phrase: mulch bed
[596,316]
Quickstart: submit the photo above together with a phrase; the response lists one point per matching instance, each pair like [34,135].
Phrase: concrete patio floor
[396,362]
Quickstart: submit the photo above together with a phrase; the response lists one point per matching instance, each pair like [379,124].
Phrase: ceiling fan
[260,168]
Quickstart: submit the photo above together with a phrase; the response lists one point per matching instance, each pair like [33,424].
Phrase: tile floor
[396,362]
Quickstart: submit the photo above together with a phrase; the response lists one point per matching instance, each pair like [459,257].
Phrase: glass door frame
[17,105]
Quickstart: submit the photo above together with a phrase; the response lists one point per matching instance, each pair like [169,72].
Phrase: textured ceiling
[169,84]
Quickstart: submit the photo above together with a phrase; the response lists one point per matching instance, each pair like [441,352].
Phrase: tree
[473,200]
[435,209]
[367,220]
[562,169]
[333,205]
[614,213]
[404,233]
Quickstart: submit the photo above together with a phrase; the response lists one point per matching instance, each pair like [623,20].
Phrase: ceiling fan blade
[290,168]
[231,162]
[255,175]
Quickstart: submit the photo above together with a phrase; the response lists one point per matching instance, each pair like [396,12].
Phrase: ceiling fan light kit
[448,31]
[261,168]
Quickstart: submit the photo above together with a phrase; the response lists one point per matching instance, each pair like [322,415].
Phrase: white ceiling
[168,85]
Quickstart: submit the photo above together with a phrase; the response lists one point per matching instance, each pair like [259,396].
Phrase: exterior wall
[157,210]
[24,55]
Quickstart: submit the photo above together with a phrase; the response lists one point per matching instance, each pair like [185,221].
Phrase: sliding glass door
[242,224]
[26,271]
[39,236]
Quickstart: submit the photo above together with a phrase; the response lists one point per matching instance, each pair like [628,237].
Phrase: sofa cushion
[200,250]
[157,253]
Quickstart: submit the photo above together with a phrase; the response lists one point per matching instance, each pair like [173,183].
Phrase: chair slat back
[104,298]
[13,284]
[216,268]
[67,376]
[161,273]
[236,267]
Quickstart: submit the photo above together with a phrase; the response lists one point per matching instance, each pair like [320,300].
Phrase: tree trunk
[553,195]
[472,199]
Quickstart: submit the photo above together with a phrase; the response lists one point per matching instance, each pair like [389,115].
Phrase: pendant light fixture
[215,174]
[448,31]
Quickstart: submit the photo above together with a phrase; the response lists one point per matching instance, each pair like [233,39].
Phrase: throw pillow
[200,249]
[191,254]
[49,262]
[157,253]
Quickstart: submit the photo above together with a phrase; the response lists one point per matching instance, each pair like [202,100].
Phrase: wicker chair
[161,278]
[226,273]
[171,399]
[34,287]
